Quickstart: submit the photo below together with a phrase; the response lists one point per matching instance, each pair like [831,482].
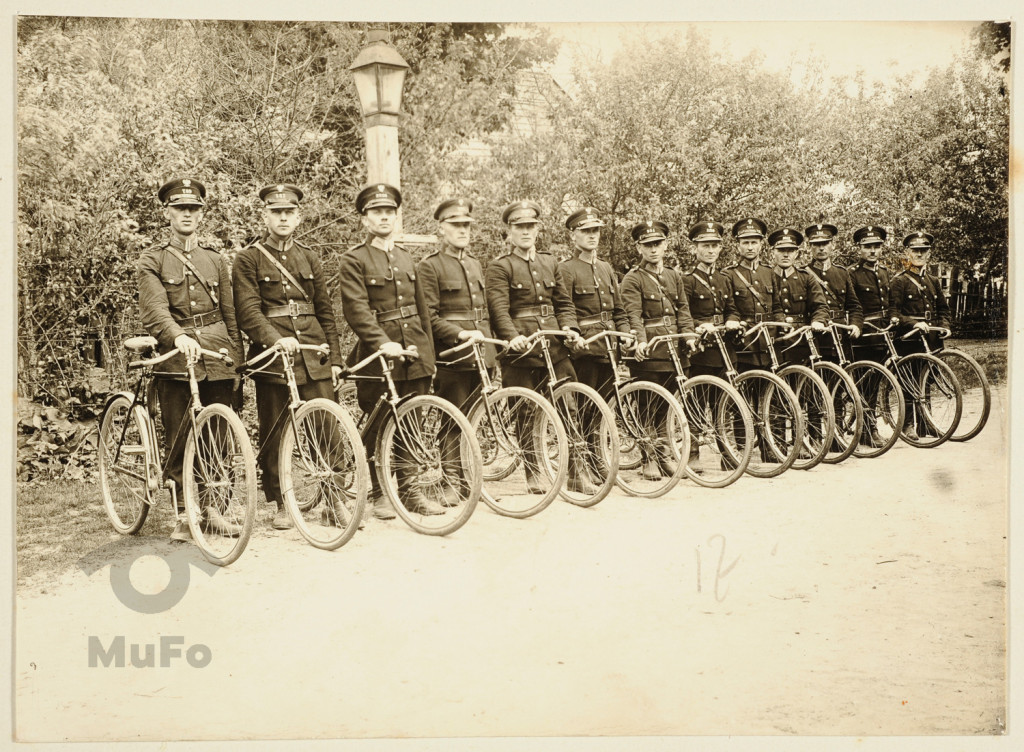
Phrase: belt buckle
[546,310]
[405,311]
[716,319]
[928,316]
[293,308]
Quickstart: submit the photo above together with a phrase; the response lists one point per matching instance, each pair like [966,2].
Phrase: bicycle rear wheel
[651,457]
[593,443]
[324,474]
[219,484]
[934,402]
[848,408]
[883,405]
[429,464]
[126,455]
[721,431]
[519,433]
[818,414]
[977,395]
[778,422]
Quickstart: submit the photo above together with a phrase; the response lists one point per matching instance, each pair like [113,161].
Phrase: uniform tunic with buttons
[170,296]
[259,286]
[840,294]
[377,280]
[660,299]
[710,296]
[917,297]
[798,296]
[595,293]
[871,285]
[516,284]
[752,292]
[453,288]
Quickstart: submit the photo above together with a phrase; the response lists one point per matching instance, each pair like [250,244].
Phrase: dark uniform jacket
[752,292]
[173,302]
[798,296]
[872,288]
[270,307]
[656,304]
[840,294]
[711,302]
[383,302]
[595,294]
[915,297]
[524,297]
[453,289]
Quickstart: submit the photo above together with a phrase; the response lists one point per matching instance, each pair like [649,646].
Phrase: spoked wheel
[975,391]
[934,401]
[428,464]
[721,431]
[125,464]
[883,405]
[219,475]
[778,422]
[818,414]
[848,408]
[593,443]
[652,459]
[324,474]
[524,449]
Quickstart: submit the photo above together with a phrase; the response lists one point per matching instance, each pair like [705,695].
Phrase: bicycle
[523,443]
[720,424]
[410,457]
[322,465]
[218,466]
[976,395]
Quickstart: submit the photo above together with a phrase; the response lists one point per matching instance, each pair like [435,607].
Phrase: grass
[991,354]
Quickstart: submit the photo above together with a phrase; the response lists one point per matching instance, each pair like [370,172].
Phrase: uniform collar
[752,265]
[784,273]
[530,255]
[653,268]
[187,245]
[701,266]
[824,265]
[384,244]
[868,265]
[587,257]
[916,272]
[272,242]
[455,253]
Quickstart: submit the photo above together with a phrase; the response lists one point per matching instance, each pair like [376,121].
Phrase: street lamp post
[379,74]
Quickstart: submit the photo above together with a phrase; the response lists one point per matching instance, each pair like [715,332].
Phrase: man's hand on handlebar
[817,326]
[519,343]
[467,334]
[922,325]
[289,345]
[732,325]
[188,347]
[392,349]
[855,331]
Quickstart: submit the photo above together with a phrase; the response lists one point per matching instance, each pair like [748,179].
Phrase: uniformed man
[752,291]
[710,295]
[916,297]
[281,297]
[525,295]
[871,285]
[798,297]
[655,303]
[384,304]
[185,302]
[836,284]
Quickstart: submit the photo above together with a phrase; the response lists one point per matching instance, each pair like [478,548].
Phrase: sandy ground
[860,599]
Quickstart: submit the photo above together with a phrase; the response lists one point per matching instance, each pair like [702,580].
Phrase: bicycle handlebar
[222,354]
[275,350]
[412,353]
[918,331]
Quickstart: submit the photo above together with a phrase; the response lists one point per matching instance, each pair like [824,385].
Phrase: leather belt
[465,314]
[716,320]
[405,312]
[292,309]
[757,318]
[603,317]
[876,317]
[926,317]
[201,320]
[529,311]
[660,321]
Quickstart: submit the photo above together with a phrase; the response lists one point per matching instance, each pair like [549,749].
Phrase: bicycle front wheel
[818,414]
[848,409]
[977,395]
[654,439]
[778,422]
[883,406]
[324,474]
[593,443]
[219,475]
[126,464]
[721,431]
[429,464]
[524,450]
[934,402]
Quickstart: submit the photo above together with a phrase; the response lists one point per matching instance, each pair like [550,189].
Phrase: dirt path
[862,599]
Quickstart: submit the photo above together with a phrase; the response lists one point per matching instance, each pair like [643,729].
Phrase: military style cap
[821,233]
[583,219]
[785,239]
[454,210]
[870,235]
[281,196]
[182,192]
[521,213]
[651,231]
[378,194]
[706,231]
[751,227]
[918,240]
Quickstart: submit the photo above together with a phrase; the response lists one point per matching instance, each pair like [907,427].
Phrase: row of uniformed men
[277,295]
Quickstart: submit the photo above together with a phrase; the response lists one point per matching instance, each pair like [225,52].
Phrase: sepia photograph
[474,381]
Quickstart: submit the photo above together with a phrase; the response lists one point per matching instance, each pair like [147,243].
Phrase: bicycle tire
[505,463]
[126,467]
[593,443]
[815,401]
[883,405]
[409,445]
[975,390]
[324,474]
[936,401]
[778,422]
[219,457]
[644,412]
[848,409]
[712,408]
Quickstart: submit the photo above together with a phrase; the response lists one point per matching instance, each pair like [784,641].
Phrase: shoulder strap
[757,296]
[284,272]
[916,284]
[195,272]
